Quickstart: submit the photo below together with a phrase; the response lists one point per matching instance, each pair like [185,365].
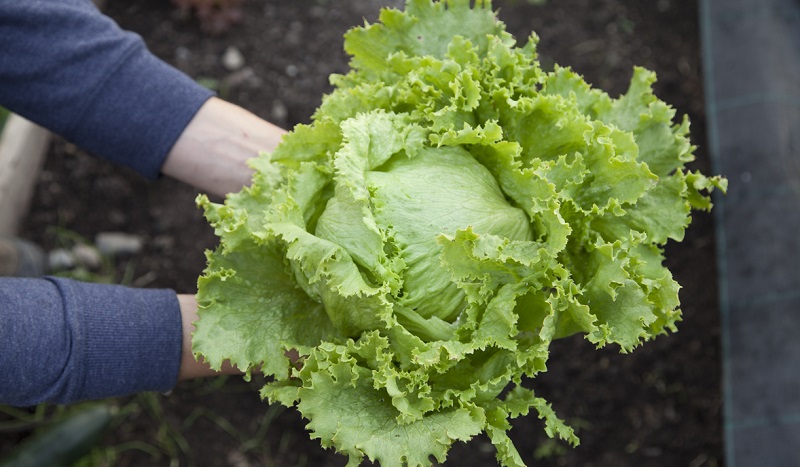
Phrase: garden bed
[658,406]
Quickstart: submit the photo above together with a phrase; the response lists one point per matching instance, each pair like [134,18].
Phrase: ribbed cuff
[124,340]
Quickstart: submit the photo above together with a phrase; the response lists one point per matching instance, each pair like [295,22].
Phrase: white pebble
[232,59]
[60,260]
[279,111]
[87,255]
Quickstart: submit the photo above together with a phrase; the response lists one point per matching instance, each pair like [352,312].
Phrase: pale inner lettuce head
[450,211]
[410,202]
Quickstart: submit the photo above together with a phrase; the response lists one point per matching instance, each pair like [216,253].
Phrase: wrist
[212,152]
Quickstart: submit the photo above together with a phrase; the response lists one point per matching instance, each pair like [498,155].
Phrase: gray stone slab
[758,56]
[778,438]
[758,147]
[763,380]
[760,229]
[752,71]
[754,47]
[716,8]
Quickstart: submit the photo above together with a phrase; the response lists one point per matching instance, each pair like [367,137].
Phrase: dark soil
[659,406]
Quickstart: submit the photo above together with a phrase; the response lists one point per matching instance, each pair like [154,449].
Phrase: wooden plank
[23,146]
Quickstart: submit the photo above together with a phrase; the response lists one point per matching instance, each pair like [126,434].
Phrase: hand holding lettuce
[450,211]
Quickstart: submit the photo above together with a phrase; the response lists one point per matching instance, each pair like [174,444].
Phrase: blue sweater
[72,70]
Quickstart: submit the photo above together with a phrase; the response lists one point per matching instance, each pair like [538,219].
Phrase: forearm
[212,152]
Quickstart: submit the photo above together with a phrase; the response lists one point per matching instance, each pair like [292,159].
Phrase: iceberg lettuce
[450,211]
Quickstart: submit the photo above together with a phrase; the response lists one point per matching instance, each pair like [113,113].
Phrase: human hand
[190,366]
[193,368]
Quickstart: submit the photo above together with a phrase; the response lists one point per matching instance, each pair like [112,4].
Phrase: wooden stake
[23,146]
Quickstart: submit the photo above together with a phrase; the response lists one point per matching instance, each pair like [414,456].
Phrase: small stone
[118,243]
[232,59]
[117,217]
[279,111]
[292,71]
[244,76]
[294,36]
[182,55]
[237,459]
[318,11]
[60,260]
[163,243]
[87,256]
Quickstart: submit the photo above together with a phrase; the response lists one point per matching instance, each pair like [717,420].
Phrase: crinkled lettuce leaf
[451,210]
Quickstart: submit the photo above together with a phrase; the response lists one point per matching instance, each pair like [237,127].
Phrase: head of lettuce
[451,210]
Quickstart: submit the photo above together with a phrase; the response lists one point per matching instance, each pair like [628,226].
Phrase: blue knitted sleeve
[64,341]
[71,69]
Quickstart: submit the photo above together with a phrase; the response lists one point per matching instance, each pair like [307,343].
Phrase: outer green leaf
[347,412]
[246,295]
[425,29]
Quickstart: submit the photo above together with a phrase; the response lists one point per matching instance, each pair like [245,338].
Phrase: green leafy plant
[451,210]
